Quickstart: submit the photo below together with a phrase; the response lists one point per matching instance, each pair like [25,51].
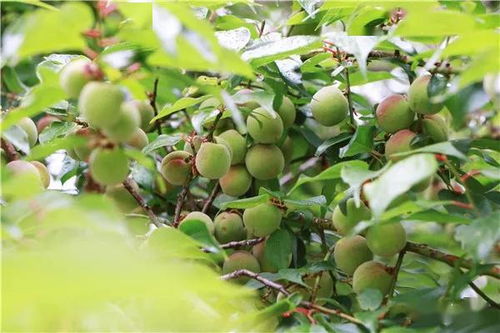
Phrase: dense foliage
[214,166]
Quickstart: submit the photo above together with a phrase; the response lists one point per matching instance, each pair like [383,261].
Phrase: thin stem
[180,203]
[130,185]
[395,273]
[247,242]
[210,135]
[152,102]
[349,98]
[211,197]
[10,150]
[484,296]
[458,178]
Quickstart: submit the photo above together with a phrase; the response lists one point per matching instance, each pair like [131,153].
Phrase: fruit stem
[211,197]
[152,101]
[395,273]
[130,185]
[484,296]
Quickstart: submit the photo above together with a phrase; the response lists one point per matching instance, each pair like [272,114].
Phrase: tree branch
[152,101]
[130,185]
[211,197]
[246,242]
[484,296]
[180,202]
[10,150]
[395,273]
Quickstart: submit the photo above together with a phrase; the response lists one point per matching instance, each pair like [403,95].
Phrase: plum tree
[329,106]
[236,181]
[287,112]
[394,114]
[263,128]
[240,260]
[139,139]
[44,173]
[126,126]
[371,275]
[122,197]
[29,127]
[229,227]
[434,126]
[418,97]
[399,142]
[213,160]
[262,220]
[266,265]
[386,240]
[100,104]
[264,161]
[350,252]
[199,216]
[76,74]
[108,166]
[237,143]
[176,168]
[343,223]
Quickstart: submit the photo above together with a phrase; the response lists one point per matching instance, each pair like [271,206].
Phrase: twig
[334,312]
[152,102]
[349,98]
[484,296]
[210,134]
[458,178]
[180,202]
[10,150]
[211,197]
[395,273]
[246,242]
[130,185]
[261,29]
[304,166]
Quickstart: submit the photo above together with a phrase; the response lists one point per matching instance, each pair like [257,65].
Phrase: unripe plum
[229,227]
[394,114]
[24,169]
[386,240]
[83,151]
[145,111]
[344,223]
[237,143]
[329,106]
[350,252]
[139,140]
[259,250]
[108,166]
[418,97]
[371,275]
[44,173]
[287,149]
[100,104]
[434,126]
[196,141]
[213,160]
[126,126]
[399,142]
[122,197]
[264,161]
[29,127]
[262,220]
[287,112]
[75,75]
[240,260]
[263,128]
[236,181]
[175,167]
[200,217]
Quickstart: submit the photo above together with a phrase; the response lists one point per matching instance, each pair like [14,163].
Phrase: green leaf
[398,179]
[246,203]
[198,230]
[343,137]
[162,140]
[43,150]
[361,142]
[464,101]
[446,148]
[356,176]
[370,299]
[432,215]
[314,201]
[140,158]
[479,237]
[278,249]
[180,104]
[439,23]
[56,129]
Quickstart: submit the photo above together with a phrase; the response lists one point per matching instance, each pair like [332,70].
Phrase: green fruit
[100,104]
[229,227]
[122,197]
[145,111]
[240,260]
[287,149]
[350,252]
[344,223]
[213,160]
[329,106]
[83,151]
[24,169]
[399,142]
[418,97]
[236,181]
[139,140]
[434,126]
[262,220]
[223,142]
[126,126]
[44,173]
[386,240]
[325,286]
[176,167]
[196,141]
[287,112]
[237,143]
[263,128]
[264,161]
[29,127]
[259,251]
[74,76]
[371,275]
[223,125]
[200,217]
[394,114]
[108,166]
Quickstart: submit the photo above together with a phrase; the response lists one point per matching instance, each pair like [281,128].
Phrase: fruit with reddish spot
[176,167]
[236,181]
[108,166]
[345,222]
[229,227]
[44,173]
[263,128]
[394,114]
[100,104]
[287,112]
[237,143]
[24,169]
[75,75]
[45,121]
[264,161]
[262,220]
[199,216]
[418,97]
[434,126]
[213,160]
[240,260]
[371,275]
[386,240]
[350,252]
[399,142]
[329,106]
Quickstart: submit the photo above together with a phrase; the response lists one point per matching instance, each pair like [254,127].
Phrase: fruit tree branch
[484,296]
[10,151]
[129,185]
[246,242]
[152,101]
[211,197]
[395,273]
